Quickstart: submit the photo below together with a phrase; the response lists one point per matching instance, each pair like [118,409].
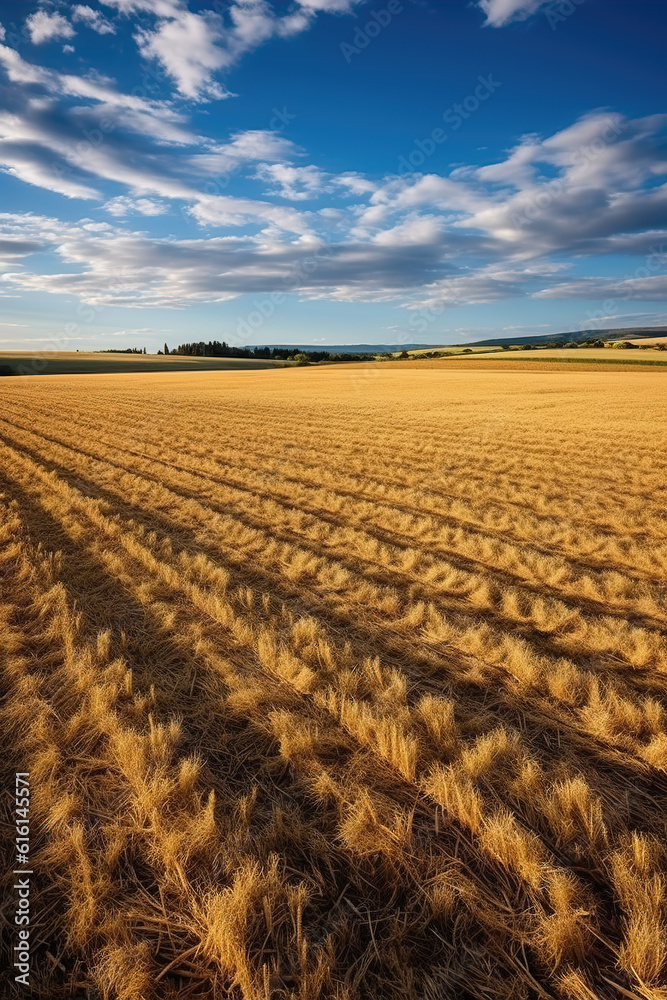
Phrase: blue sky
[329,171]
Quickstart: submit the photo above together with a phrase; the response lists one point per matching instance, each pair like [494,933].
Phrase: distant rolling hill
[617,333]
[628,333]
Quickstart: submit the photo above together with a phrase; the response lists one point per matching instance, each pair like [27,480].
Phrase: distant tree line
[122,350]
[554,343]
[217,349]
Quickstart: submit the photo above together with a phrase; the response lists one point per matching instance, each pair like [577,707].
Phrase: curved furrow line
[406,434]
[419,875]
[499,657]
[418,509]
[544,635]
[419,870]
[262,745]
[470,479]
[449,556]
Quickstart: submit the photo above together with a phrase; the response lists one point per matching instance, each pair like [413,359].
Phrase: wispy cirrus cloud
[82,13]
[502,12]
[309,182]
[194,48]
[147,146]
[651,288]
[124,205]
[156,118]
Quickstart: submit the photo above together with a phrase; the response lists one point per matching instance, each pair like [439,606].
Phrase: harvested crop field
[537,361]
[115,363]
[340,682]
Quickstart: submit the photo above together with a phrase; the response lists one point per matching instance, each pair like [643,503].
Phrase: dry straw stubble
[334,686]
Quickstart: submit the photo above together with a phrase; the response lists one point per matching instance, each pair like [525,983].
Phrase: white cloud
[355,183]
[415,230]
[153,118]
[592,181]
[109,161]
[2,33]
[218,210]
[293,183]
[120,267]
[242,147]
[480,234]
[92,19]
[122,206]
[502,12]
[303,183]
[330,6]
[258,144]
[63,152]
[429,189]
[651,288]
[490,283]
[193,47]
[187,48]
[161,8]
[591,188]
[44,27]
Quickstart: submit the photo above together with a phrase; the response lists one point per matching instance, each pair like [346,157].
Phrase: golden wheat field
[337,683]
[515,361]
